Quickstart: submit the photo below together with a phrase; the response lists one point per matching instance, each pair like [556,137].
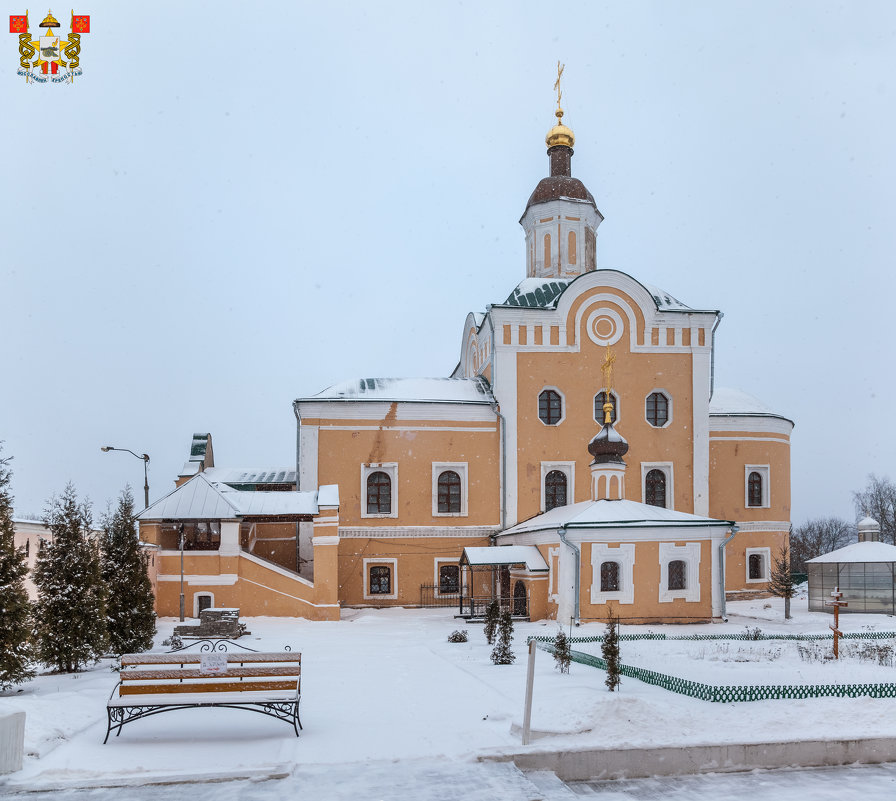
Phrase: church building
[579,460]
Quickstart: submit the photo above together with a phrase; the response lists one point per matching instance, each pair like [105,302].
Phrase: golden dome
[49,22]
[560,134]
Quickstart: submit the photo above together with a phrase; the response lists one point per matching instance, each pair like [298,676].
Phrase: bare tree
[816,537]
[878,500]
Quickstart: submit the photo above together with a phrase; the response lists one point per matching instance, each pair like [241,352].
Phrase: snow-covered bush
[458,636]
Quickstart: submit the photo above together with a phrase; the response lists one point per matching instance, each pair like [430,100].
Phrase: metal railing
[431,598]
[476,605]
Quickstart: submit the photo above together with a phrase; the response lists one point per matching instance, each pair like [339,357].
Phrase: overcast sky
[239,204]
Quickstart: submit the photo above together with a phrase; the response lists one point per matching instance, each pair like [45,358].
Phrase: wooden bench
[269,683]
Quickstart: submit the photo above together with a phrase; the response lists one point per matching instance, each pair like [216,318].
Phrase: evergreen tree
[562,656]
[16,652]
[492,615]
[71,606]
[502,654]
[130,618]
[780,580]
[609,650]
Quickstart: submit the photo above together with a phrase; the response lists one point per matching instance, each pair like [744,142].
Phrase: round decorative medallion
[604,326]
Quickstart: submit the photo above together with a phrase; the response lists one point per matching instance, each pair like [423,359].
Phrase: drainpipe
[295,408]
[502,422]
[578,554]
[712,355]
[734,530]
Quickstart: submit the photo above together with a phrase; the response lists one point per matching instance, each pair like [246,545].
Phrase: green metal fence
[727,694]
[755,636]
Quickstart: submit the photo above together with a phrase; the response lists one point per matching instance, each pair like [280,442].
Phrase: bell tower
[561,217]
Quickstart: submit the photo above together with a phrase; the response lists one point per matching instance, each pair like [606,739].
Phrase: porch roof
[202,499]
[501,555]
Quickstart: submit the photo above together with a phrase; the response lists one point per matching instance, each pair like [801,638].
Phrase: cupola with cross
[608,447]
[561,217]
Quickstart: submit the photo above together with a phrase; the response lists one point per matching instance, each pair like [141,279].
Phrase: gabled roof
[612,514]
[858,552]
[203,499]
[420,390]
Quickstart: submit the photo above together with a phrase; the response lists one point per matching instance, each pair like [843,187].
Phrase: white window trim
[461,469]
[690,555]
[766,554]
[562,407]
[668,403]
[386,562]
[624,554]
[616,405]
[763,470]
[391,469]
[569,470]
[196,596]
[554,574]
[667,469]
[446,560]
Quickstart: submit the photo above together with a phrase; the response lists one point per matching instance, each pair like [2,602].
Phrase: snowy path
[868,782]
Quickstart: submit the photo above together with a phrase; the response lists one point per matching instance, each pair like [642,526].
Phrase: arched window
[678,575]
[609,576]
[756,566]
[554,490]
[655,488]
[754,489]
[571,247]
[449,492]
[550,407]
[379,493]
[599,400]
[657,410]
[547,252]
[27,548]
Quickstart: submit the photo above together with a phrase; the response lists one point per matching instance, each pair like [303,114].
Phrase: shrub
[458,636]
[562,657]
[492,615]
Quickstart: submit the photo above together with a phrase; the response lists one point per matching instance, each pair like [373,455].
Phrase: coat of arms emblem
[57,59]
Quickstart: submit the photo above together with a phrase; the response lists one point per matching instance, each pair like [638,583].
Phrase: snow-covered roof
[426,390]
[538,293]
[726,400]
[527,555]
[202,499]
[859,552]
[664,301]
[251,475]
[544,293]
[612,514]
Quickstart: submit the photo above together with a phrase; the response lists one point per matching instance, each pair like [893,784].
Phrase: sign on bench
[269,683]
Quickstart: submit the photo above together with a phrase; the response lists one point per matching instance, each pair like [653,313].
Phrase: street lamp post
[145,458]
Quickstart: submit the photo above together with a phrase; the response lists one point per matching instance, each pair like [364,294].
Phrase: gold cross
[607,370]
[560,68]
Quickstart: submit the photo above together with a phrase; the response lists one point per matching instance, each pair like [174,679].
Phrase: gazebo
[865,572]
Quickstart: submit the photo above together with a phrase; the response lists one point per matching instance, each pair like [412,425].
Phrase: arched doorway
[519,599]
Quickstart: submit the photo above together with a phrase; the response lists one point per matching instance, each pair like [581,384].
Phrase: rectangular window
[380,580]
[449,579]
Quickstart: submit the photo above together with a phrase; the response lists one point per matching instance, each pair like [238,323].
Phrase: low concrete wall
[633,763]
[12,741]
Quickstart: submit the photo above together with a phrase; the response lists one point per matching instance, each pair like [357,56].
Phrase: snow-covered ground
[385,685]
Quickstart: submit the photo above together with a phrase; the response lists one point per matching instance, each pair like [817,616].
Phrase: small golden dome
[560,134]
[49,22]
